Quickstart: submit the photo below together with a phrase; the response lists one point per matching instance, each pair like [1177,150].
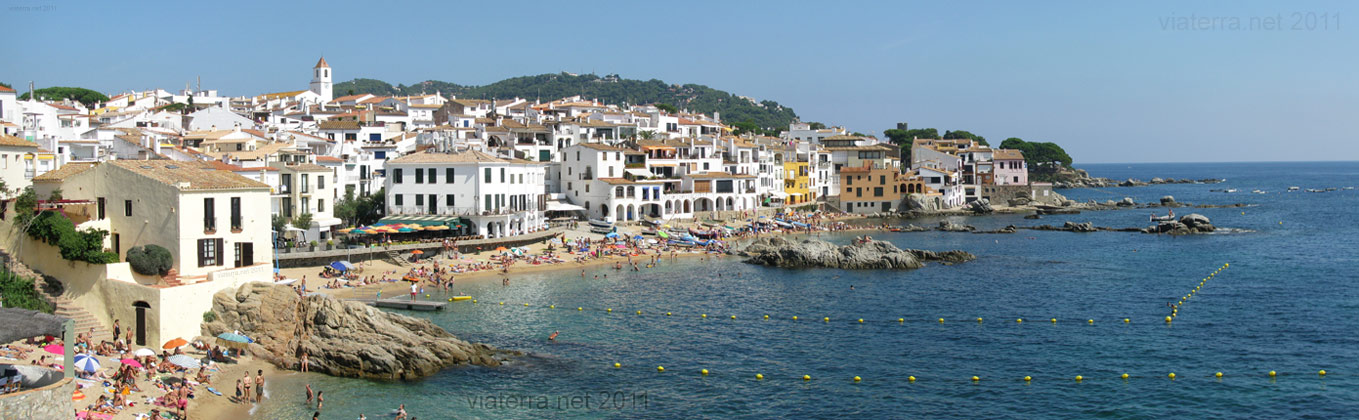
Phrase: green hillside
[608,89]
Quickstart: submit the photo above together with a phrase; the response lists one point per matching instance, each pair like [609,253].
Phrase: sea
[1047,306]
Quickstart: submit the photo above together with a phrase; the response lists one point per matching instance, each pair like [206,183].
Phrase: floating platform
[410,305]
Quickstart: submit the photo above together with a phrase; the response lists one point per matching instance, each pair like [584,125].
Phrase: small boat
[1166,218]
[1258,192]
[1232,190]
[1330,189]
[1315,190]
[1348,188]
[702,233]
[1293,188]
[600,223]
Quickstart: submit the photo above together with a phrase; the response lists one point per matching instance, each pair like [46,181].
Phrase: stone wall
[49,402]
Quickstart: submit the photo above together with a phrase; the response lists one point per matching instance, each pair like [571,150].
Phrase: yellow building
[795,182]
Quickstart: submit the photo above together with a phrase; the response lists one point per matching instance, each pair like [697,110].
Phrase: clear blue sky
[1112,82]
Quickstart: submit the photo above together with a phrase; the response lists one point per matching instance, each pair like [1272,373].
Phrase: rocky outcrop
[1167,200]
[781,252]
[1079,178]
[1069,226]
[947,226]
[341,338]
[1006,229]
[981,206]
[1187,225]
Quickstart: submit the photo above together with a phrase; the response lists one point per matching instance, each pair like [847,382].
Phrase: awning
[779,194]
[639,172]
[560,206]
[423,220]
[326,222]
[795,194]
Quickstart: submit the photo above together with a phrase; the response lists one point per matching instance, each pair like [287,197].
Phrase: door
[247,254]
[433,204]
[140,328]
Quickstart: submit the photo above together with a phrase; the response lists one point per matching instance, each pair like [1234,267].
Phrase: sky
[1110,82]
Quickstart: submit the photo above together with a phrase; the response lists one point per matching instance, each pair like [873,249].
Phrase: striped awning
[423,220]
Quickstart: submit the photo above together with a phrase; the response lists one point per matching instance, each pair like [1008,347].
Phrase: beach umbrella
[417,252]
[143,352]
[185,361]
[405,230]
[55,349]
[131,362]
[338,267]
[233,340]
[501,248]
[77,395]
[178,342]
[638,238]
[611,235]
[86,363]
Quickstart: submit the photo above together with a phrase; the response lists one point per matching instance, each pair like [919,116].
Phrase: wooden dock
[407,304]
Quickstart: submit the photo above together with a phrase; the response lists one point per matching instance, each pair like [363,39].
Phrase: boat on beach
[600,226]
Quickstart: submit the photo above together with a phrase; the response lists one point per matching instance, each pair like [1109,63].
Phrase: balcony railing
[455,211]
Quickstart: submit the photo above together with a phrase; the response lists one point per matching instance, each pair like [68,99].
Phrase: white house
[13,151]
[486,195]
[1010,167]
[217,117]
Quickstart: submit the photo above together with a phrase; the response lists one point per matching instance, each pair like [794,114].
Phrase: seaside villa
[213,222]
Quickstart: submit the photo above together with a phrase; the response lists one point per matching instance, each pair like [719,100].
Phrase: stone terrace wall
[49,402]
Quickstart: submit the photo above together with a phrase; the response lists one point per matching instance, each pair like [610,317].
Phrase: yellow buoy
[703,372]
[1126,320]
[667,314]
[766,316]
[900,320]
[733,317]
[806,377]
[502,303]
[705,315]
[1028,378]
[450,299]
[1125,376]
[827,319]
[1019,320]
[580,309]
[551,306]
[795,317]
[1167,319]
[1171,375]
[759,376]
[617,365]
[608,310]
[941,320]
[639,312]
[1090,321]
[1219,374]
[525,304]
[975,379]
[979,320]
[910,378]
[1079,378]
[857,379]
[474,301]
[861,320]
[1322,372]
[1271,374]
[660,368]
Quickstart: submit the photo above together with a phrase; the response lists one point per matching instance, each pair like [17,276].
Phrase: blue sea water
[1288,303]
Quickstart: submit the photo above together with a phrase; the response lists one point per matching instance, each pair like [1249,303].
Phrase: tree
[816,125]
[646,134]
[364,210]
[302,221]
[1043,158]
[904,137]
[55,196]
[278,223]
[744,127]
[960,134]
[151,260]
[85,96]
[667,108]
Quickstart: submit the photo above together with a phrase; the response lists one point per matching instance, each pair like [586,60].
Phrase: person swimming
[553,337]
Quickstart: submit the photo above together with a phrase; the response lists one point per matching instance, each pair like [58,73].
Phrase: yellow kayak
[457,298]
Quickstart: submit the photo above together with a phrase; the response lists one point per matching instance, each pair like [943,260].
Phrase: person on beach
[310,396]
[414,290]
[117,329]
[238,392]
[400,413]
[246,383]
[320,400]
[259,385]
[304,361]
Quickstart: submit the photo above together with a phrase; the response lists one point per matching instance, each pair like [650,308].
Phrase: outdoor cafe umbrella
[184,361]
[178,342]
[233,340]
[143,352]
[86,363]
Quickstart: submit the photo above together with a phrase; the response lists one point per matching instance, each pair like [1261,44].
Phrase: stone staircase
[84,321]
[395,256]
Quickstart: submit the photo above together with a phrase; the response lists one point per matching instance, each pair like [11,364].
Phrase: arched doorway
[687,208]
[603,210]
[669,207]
[620,213]
[140,327]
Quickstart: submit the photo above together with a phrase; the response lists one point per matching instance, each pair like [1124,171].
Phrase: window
[877,191]
[101,208]
[849,180]
[502,175]
[209,216]
[568,186]
[487,176]
[419,200]
[396,199]
[305,184]
[419,176]
[127,208]
[209,252]
[448,175]
[235,213]
[858,192]
[380,155]
[448,200]
[396,176]
[320,182]
[320,205]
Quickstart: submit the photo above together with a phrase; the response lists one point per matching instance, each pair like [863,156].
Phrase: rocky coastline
[872,254]
[1079,178]
[1187,225]
[341,338]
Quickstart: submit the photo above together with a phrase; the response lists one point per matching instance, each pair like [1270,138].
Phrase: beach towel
[94,416]
[214,392]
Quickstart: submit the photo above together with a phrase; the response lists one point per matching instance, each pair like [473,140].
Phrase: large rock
[1167,200]
[780,252]
[342,338]
[948,226]
[1187,225]
[1078,227]
[1127,202]
[981,206]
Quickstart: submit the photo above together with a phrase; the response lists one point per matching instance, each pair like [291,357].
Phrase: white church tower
[320,81]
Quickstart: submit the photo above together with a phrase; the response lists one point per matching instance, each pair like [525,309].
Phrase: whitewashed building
[486,195]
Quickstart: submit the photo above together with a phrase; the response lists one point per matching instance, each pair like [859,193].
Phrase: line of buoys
[975,379]
[1175,309]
